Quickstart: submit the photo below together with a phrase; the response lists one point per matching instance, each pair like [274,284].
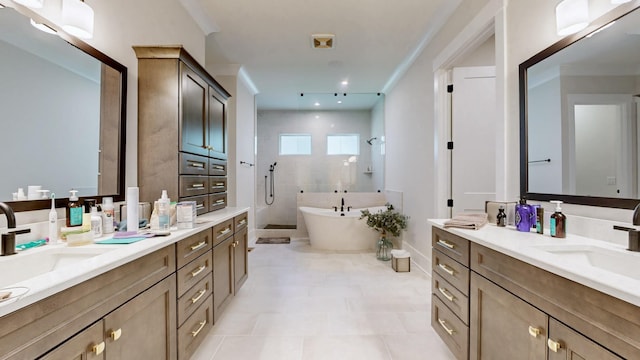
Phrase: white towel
[400,254]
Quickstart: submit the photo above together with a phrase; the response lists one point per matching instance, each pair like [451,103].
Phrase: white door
[473,117]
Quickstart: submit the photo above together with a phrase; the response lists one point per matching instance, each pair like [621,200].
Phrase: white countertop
[527,247]
[42,286]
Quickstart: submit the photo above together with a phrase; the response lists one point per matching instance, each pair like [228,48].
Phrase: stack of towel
[467,221]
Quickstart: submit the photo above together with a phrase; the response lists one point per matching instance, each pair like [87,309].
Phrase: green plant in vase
[387,222]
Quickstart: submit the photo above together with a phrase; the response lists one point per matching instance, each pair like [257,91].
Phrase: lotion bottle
[53,222]
[96,223]
[107,215]
[558,222]
[164,216]
[73,210]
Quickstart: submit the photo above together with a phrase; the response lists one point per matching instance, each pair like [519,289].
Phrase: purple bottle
[524,216]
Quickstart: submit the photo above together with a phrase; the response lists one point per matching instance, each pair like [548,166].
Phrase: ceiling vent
[322,41]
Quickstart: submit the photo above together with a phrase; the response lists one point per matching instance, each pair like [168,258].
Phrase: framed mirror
[579,102]
[63,115]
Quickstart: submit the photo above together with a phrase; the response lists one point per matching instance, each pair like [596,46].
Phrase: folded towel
[400,254]
[467,221]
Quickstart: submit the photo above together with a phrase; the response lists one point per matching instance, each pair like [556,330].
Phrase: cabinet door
[222,276]
[87,345]
[193,121]
[240,269]
[217,125]
[564,343]
[145,326]
[503,326]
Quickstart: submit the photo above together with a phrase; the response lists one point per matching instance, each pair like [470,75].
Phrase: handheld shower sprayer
[271,181]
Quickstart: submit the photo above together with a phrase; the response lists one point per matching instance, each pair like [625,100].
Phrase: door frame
[489,21]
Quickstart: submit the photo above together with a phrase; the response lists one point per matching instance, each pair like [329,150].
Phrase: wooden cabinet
[182,129]
[504,327]
[230,261]
[519,311]
[87,345]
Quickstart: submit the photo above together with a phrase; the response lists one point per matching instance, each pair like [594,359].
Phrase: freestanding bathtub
[328,230]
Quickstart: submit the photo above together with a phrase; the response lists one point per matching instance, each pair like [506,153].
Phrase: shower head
[273,166]
[370,141]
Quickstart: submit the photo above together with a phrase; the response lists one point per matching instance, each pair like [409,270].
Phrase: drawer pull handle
[242,222]
[218,167]
[448,295]
[220,201]
[199,206]
[446,244]
[98,349]
[533,331]
[115,335]
[200,294]
[219,184]
[225,231]
[234,244]
[197,186]
[200,269]
[447,269]
[202,324]
[200,245]
[445,327]
[554,345]
[196,165]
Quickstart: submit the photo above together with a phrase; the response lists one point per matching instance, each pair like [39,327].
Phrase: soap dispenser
[164,209]
[523,216]
[73,210]
[558,222]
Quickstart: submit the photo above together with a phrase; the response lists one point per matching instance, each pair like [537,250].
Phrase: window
[343,144]
[295,144]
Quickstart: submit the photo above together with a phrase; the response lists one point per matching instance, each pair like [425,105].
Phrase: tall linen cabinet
[182,129]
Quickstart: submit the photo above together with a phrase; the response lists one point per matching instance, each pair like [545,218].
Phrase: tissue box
[401,264]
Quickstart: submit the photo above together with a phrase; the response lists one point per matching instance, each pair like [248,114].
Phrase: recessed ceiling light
[345,82]
[317,116]
[316,104]
[339,101]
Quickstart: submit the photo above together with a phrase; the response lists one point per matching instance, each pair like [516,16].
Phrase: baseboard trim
[421,261]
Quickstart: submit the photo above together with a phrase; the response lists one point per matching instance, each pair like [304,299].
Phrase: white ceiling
[271,42]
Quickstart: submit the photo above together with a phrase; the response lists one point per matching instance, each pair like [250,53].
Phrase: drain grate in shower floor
[273,240]
[280,227]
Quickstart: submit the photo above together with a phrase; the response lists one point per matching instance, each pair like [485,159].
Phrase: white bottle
[53,222]
[108,213]
[96,223]
[164,216]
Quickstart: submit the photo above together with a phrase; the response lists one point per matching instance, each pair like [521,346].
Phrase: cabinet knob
[115,334]
[534,331]
[554,345]
[98,349]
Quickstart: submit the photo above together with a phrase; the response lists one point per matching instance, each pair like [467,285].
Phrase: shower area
[322,143]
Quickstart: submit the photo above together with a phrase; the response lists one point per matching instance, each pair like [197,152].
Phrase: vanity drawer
[452,330]
[217,167]
[451,271]
[453,298]
[217,201]
[217,184]
[193,298]
[192,247]
[195,329]
[452,245]
[222,231]
[193,272]
[191,185]
[241,221]
[193,164]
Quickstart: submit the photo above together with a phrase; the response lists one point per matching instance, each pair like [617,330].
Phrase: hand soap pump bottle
[96,222]
[53,222]
[501,218]
[523,216]
[164,206]
[73,210]
[558,222]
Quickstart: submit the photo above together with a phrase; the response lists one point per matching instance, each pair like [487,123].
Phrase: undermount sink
[621,262]
[37,261]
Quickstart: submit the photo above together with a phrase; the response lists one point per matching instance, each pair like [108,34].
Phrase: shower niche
[315,143]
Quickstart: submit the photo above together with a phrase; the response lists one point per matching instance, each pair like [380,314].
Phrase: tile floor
[303,304]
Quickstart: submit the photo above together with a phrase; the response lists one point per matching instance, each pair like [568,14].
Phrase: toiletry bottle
[107,215]
[164,206]
[523,216]
[96,223]
[540,220]
[86,215]
[74,210]
[501,218]
[53,222]
[558,222]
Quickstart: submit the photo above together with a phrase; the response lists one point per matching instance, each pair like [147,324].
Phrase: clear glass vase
[383,249]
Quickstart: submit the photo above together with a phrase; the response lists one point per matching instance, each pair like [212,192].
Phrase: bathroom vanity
[501,294]
[153,299]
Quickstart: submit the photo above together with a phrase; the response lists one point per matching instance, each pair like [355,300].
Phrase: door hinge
[450,145]
[450,88]
[449,202]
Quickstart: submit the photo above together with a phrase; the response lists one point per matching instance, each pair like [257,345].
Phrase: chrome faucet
[634,234]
